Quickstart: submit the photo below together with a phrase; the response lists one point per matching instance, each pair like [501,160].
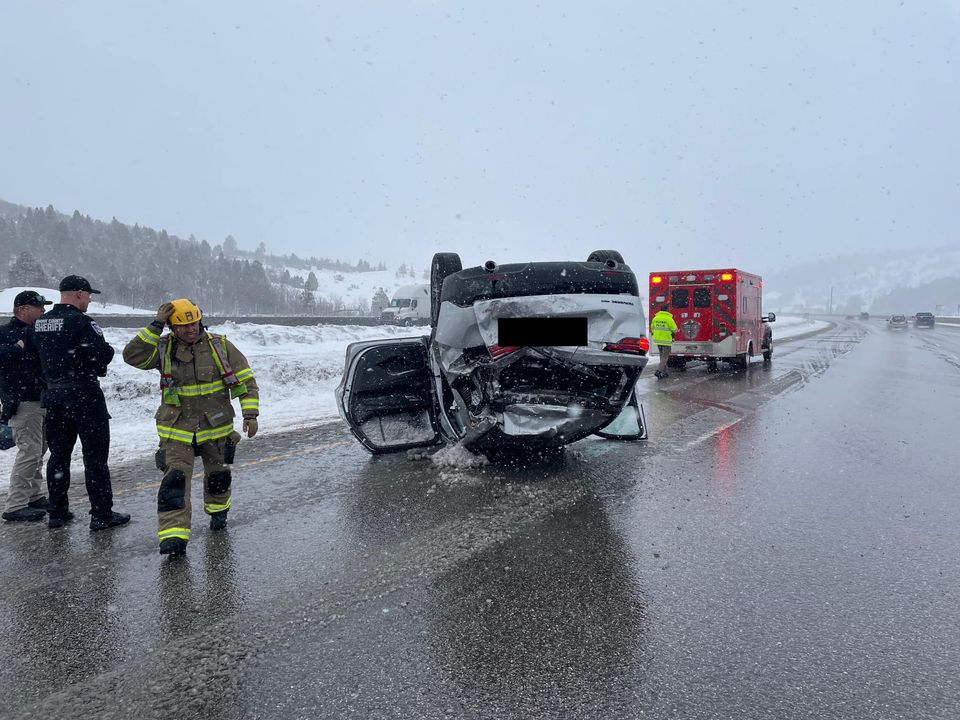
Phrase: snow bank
[96,307]
[297,369]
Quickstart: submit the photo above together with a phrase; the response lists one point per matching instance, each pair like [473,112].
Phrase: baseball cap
[75,282]
[30,297]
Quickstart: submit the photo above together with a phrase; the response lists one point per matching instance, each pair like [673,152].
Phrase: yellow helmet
[185,312]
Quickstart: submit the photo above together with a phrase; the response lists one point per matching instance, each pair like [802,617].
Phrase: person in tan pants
[21,387]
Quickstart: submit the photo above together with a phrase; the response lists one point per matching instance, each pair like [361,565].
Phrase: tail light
[637,346]
[497,351]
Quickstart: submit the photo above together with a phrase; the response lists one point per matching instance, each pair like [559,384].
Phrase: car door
[386,395]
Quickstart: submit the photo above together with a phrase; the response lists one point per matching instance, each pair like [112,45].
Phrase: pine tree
[312,282]
[26,271]
[379,302]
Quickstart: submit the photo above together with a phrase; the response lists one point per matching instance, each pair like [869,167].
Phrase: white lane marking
[709,434]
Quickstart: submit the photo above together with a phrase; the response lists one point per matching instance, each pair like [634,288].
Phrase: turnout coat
[197,383]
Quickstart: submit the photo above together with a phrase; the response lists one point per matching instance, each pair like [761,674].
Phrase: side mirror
[771,317]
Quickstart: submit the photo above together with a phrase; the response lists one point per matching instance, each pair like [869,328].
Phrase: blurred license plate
[692,348]
[532,332]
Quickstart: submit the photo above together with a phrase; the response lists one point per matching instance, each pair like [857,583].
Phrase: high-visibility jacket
[197,382]
[663,326]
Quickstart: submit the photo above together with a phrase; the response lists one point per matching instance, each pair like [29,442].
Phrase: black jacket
[20,376]
[71,349]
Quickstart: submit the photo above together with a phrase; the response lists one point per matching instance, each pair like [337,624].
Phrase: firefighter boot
[174,547]
[218,521]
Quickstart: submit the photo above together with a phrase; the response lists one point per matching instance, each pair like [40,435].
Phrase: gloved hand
[250,426]
[164,313]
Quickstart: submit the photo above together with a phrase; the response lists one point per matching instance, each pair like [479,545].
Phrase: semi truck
[719,315]
[410,306]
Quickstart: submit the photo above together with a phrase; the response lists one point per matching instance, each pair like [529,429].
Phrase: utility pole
[830,306]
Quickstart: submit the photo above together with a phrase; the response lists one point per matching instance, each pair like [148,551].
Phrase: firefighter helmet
[185,312]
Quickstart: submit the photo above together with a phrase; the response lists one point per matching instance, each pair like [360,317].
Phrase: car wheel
[604,255]
[443,264]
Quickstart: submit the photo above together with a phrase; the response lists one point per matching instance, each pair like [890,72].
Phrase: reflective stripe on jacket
[195,400]
[663,326]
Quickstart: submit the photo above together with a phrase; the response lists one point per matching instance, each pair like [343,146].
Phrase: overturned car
[523,356]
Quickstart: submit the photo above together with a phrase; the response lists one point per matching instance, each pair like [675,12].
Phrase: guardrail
[138,321]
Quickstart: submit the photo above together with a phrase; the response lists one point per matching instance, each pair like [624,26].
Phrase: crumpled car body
[531,355]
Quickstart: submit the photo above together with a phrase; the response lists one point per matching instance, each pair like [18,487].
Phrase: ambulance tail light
[632,346]
[656,279]
[726,276]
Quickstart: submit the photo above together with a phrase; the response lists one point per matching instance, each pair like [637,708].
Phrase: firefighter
[664,329]
[74,356]
[200,373]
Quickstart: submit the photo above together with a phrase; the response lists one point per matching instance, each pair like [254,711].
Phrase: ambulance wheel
[711,366]
[443,264]
[677,363]
[768,353]
[604,255]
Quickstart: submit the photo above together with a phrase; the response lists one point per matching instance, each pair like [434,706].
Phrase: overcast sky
[757,133]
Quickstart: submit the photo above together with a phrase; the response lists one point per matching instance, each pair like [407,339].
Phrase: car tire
[604,255]
[443,264]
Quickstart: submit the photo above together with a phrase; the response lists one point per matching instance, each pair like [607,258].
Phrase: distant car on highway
[864,316]
[924,320]
[897,322]
[526,356]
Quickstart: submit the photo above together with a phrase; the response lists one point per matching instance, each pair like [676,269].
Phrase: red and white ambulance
[719,314]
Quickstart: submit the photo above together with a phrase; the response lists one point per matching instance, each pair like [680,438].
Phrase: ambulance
[719,315]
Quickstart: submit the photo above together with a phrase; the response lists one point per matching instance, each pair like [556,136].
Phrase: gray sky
[756,133]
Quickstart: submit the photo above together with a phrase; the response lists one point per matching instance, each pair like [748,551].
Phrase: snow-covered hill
[907,281]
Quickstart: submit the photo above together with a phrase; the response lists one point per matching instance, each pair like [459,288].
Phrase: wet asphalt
[783,546]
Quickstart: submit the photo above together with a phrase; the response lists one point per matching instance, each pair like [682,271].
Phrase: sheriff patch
[48,325]
[96,328]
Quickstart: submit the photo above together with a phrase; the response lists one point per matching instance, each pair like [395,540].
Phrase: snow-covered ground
[96,307]
[297,369]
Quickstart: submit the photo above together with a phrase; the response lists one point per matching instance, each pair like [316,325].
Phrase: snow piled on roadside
[297,369]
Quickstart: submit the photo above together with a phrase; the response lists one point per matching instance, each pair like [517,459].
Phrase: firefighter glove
[164,313]
[250,426]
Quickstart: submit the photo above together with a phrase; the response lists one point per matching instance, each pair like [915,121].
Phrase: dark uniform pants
[173,500]
[84,415]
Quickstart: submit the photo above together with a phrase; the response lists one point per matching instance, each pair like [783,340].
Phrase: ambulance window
[680,298]
[701,298]
[744,304]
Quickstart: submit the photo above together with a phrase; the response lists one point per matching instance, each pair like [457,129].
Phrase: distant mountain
[905,281]
[143,267]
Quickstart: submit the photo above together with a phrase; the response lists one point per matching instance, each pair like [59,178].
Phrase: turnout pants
[85,417]
[173,499]
[26,479]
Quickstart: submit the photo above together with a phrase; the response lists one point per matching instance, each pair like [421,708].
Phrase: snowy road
[784,546]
